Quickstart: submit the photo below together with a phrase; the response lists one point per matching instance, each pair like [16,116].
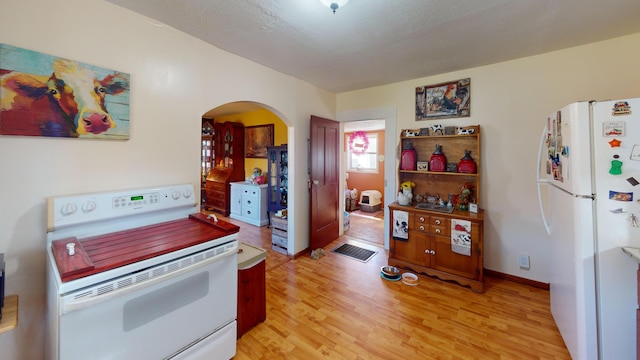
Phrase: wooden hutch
[428,236]
[228,143]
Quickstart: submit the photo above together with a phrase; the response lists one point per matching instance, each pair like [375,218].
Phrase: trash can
[252,299]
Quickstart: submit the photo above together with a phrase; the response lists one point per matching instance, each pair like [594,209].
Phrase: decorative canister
[438,161]
[466,164]
[408,159]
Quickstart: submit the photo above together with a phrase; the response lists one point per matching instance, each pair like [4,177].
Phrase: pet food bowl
[390,271]
[410,279]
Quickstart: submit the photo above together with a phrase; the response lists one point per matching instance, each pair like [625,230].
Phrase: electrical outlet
[524,261]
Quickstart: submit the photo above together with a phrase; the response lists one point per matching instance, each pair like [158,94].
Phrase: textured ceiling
[376,42]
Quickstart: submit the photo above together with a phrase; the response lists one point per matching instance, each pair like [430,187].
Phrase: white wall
[175,79]
[510,101]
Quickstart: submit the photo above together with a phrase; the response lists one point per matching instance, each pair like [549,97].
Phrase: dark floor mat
[354,252]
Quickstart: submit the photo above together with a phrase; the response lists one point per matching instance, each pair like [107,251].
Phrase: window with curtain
[362,152]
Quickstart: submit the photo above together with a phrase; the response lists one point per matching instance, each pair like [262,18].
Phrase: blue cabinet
[278,168]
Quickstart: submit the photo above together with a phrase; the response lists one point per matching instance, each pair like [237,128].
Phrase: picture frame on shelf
[473,207]
[256,140]
[444,100]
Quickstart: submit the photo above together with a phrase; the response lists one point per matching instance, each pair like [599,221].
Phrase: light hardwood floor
[340,308]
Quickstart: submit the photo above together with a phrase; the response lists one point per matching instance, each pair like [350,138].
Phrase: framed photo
[473,207]
[444,100]
[256,140]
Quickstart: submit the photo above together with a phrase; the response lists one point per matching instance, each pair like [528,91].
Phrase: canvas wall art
[44,95]
[256,140]
[446,100]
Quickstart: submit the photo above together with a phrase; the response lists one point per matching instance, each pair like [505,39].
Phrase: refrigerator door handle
[542,212]
[542,181]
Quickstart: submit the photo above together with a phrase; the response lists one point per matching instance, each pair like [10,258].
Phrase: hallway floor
[363,227]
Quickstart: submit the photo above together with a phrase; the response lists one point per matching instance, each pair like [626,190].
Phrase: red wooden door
[324,223]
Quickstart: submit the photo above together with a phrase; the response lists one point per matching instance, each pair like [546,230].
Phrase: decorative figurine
[438,162]
[406,194]
[256,176]
[464,197]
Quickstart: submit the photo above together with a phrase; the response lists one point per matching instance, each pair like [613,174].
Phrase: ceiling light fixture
[334,4]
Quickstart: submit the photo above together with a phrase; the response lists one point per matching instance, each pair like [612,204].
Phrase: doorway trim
[388,114]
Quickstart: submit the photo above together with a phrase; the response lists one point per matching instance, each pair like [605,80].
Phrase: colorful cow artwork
[41,95]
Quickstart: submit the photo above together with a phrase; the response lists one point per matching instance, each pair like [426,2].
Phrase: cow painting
[68,101]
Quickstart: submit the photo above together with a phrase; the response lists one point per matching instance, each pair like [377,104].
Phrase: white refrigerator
[589,187]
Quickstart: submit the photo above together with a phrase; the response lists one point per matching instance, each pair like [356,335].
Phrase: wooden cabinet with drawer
[429,248]
[249,203]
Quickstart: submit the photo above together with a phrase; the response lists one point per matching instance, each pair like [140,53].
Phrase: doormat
[354,252]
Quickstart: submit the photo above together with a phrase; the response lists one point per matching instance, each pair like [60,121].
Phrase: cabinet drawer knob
[426,251]
[421,218]
[433,252]
[438,222]
[421,228]
[437,231]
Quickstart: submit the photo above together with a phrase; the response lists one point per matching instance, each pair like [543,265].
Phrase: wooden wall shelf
[9,314]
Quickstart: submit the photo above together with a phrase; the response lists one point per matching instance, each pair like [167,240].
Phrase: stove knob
[89,206]
[68,209]
[175,194]
[187,193]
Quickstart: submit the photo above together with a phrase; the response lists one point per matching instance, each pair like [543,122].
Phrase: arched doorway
[248,115]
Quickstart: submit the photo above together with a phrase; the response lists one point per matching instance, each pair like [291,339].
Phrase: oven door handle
[72,304]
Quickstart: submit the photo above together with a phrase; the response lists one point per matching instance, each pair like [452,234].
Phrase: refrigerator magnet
[615,143]
[621,108]
[616,166]
[633,181]
[613,128]
[635,153]
[620,196]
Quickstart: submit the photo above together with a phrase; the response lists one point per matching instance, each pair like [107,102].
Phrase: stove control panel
[86,208]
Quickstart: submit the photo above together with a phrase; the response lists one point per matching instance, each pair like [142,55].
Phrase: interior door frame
[389,115]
